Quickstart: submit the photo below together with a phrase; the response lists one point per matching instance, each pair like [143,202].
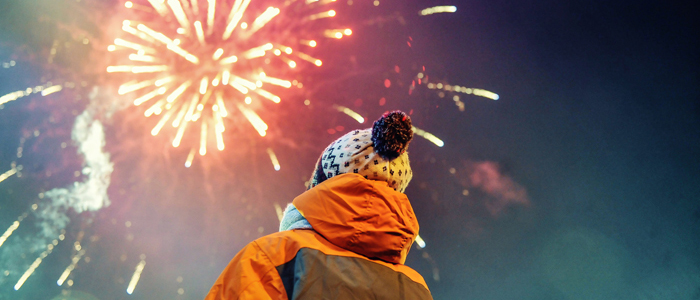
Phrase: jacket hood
[364,216]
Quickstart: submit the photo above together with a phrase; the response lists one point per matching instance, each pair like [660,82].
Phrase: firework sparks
[273,158]
[45,90]
[196,60]
[9,173]
[428,136]
[438,9]
[350,113]
[444,89]
[74,261]
[420,242]
[137,275]
[37,262]
[11,229]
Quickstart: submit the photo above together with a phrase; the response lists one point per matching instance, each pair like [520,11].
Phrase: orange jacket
[363,230]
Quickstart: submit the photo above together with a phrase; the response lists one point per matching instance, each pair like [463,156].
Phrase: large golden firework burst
[193,62]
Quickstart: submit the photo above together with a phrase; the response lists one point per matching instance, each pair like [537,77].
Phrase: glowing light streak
[217,54]
[195,6]
[154,34]
[257,51]
[179,14]
[181,89]
[135,278]
[219,135]
[162,122]
[221,105]
[190,158]
[249,85]
[486,94]
[310,59]
[114,69]
[179,135]
[236,15]
[203,140]
[279,211]
[264,18]
[163,81]
[350,113]
[254,120]
[181,115]
[170,44]
[134,46]
[159,6]
[71,267]
[310,43]
[335,33]
[200,31]
[140,100]
[438,9]
[325,14]
[189,117]
[275,81]
[225,77]
[143,58]
[9,232]
[155,109]
[211,13]
[203,85]
[52,89]
[420,242]
[428,136]
[128,88]
[292,64]
[268,95]
[11,97]
[273,158]
[35,265]
[239,87]
[229,60]
[6,175]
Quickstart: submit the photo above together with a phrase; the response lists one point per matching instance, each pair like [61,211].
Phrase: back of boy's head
[377,153]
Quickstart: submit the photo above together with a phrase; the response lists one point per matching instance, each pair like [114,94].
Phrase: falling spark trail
[350,113]
[7,174]
[273,158]
[35,264]
[71,267]
[420,242]
[428,136]
[135,278]
[45,91]
[438,9]
[8,232]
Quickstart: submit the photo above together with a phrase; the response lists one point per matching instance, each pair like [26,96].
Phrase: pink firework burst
[203,65]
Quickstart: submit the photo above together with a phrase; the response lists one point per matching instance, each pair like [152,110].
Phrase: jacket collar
[364,216]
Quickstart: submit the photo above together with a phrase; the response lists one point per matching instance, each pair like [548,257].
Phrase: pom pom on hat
[377,153]
[391,134]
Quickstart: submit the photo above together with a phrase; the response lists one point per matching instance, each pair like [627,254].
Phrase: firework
[137,275]
[45,90]
[193,62]
[37,262]
[444,89]
[438,9]
[74,261]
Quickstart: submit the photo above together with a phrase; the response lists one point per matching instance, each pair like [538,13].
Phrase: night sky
[581,182]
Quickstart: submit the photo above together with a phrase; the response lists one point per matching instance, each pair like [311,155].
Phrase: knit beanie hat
[377,153]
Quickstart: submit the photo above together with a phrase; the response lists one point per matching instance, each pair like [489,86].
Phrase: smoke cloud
[502,190]
[52,215]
